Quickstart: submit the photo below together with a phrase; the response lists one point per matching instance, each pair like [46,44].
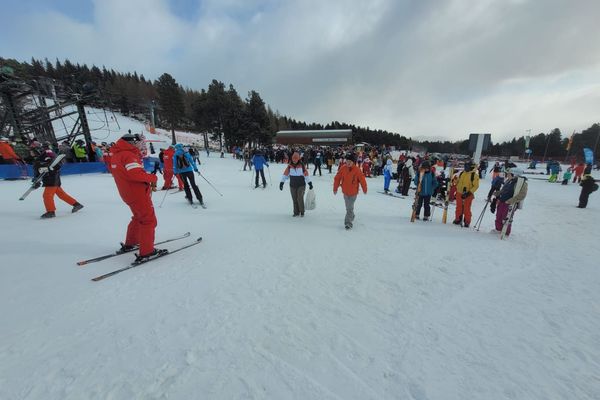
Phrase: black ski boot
[155,253]
[457,221]
[76,207]
[126,248]
[49,214]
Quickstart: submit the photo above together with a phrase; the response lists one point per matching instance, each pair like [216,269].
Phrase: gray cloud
[439,68]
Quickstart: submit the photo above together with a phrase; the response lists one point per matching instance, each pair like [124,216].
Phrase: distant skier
[135,188]
[554,170]
[512,193]
[318,161]
[428,186]
[588,186]
[467,185]
[349,177]
[51,182]
[567,176]
[366,167]
[184,166]
[298,175]
[387,175]
[258,160]
[408,173]
[578,172]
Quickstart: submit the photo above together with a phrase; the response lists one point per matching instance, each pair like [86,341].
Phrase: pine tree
[171,101]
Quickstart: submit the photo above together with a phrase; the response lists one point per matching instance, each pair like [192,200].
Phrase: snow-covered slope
[107,126]
[275,307]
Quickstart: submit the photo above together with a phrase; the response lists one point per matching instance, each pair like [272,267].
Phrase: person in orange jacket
[167,160]
[135,188]
[349,177]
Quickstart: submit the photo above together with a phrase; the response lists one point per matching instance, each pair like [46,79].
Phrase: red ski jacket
[168,158]
[127,169]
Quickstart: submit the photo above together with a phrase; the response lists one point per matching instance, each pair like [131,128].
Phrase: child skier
[258,160]
[51,182]
[387,175]
[567,176]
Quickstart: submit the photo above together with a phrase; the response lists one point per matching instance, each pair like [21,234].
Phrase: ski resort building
[323,137]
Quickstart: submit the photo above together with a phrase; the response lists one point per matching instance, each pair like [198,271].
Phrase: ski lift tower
[478,142]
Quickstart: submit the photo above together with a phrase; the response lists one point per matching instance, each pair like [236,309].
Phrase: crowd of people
[124,160]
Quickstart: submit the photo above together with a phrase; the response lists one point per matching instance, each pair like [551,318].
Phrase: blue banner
[589,155]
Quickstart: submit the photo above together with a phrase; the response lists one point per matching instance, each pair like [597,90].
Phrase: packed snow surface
[274,307]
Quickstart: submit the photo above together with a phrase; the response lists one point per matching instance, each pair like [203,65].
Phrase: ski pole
[211,185]
[480,219]
[164,197]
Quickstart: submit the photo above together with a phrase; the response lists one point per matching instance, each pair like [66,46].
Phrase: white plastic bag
[310,201]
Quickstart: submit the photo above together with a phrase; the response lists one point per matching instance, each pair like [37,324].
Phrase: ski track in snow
[275,307]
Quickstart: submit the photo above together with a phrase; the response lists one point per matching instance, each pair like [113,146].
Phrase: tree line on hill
[219,108]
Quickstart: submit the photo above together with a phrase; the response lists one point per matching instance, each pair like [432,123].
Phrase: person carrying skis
[298,175]
[185,166]
[258,160]
[349,177]
[512,193]
[135,187]
[387,175]
[428,186]
[51,182]
[588,185]
[467,185]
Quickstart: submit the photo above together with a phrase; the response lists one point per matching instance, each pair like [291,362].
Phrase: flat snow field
[274,307]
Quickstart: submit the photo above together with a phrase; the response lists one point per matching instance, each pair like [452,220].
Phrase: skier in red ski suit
[168,169]
[135,187]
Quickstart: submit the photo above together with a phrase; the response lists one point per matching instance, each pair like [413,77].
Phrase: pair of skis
[137,263]
[38,180]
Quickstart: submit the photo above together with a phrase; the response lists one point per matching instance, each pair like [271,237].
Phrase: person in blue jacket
[428,186]
[387,175]
[258,160]
[184,166]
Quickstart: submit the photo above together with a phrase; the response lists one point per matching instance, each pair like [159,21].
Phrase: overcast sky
[418,68]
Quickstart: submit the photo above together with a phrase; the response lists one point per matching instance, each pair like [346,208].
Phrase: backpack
[182,162]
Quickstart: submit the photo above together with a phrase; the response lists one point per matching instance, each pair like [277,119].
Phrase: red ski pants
[50,191]
[463,207]
[141,228]
[168,175]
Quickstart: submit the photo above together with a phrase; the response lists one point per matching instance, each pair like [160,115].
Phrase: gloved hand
[195,169]
[493,206]
[465,195]
[280,185]
[267,165]
[310,185]
[42,170]
[37,184]
[153,186]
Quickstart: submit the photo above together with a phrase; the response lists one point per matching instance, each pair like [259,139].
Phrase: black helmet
[425,164]
[468,166]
